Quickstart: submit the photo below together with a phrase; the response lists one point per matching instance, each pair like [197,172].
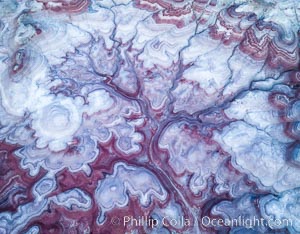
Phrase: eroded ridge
[149,116]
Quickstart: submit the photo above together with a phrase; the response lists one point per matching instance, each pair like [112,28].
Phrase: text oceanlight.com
[206,221]
[248,222]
